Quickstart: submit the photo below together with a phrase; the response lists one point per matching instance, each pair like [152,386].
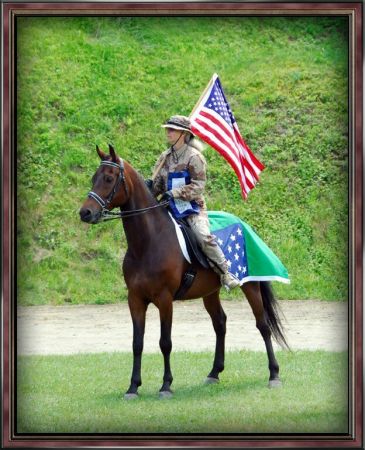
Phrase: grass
[84,394]
[82,81]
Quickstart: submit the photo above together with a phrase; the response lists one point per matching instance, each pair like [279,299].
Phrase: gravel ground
[42,330]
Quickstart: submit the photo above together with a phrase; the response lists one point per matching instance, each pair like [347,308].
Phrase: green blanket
[249,258]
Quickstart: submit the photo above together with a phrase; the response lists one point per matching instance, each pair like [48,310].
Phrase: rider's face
[173,135]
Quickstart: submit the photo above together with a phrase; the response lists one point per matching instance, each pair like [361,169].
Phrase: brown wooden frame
[354,11]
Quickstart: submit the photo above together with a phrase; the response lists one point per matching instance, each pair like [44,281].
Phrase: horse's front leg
[165,310]
[137,307]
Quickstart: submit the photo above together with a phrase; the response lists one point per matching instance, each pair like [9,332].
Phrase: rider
[180,174]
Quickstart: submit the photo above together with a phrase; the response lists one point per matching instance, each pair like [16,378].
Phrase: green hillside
[99,80]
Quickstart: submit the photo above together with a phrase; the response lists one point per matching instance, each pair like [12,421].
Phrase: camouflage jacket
[186,158]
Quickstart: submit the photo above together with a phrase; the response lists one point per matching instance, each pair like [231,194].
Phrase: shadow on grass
[196,391]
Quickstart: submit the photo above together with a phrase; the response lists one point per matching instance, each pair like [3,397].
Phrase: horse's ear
[101,154]
[112,153]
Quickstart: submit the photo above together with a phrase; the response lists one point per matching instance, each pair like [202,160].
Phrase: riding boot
[220,266]
[229,281]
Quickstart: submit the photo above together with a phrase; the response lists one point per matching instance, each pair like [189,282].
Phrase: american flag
[213,121]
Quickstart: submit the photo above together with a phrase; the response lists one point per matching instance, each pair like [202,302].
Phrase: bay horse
[154,265]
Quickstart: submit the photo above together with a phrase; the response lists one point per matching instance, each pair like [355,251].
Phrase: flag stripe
[222,124]
[245,158]
[209,139]
[254,163]
[215,129]
[213,121]
[239,166]
[230,152]
[235,157]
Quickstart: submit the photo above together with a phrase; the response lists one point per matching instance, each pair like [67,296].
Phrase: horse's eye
[108,178]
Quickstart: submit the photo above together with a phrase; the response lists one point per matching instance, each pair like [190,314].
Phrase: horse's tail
[273,311]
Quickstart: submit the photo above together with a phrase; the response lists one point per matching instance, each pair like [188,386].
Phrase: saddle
[195,252]
[196,255]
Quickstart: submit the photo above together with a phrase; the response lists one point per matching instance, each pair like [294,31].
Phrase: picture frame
[10,12]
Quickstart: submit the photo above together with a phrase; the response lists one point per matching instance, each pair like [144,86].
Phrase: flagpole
[204,92]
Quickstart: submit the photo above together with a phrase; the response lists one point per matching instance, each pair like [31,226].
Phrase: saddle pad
[181,239]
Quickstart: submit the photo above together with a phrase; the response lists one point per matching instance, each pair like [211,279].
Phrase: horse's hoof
[130,396]
[275,383]
[165,394]
[211,380]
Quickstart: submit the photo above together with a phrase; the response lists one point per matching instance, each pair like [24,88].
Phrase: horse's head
[109,188]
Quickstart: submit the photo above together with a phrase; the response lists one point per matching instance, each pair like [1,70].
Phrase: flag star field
[235,254]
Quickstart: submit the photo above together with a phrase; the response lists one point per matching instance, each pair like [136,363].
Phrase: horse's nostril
[85,214]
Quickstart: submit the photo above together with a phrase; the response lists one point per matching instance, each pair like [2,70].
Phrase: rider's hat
[178,123]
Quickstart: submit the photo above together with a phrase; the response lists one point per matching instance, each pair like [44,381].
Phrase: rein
[109,215]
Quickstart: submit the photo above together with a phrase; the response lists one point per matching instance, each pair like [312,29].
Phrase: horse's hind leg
[137,309]
[213,306]
[253,294]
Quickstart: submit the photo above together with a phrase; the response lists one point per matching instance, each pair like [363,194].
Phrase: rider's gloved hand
[166,196]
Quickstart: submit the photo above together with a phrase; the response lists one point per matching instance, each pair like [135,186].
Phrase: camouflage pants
[199,223]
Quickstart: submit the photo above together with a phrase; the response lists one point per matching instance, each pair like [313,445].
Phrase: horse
[154,265]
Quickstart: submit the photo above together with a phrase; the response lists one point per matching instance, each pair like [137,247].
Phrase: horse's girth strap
[186,282]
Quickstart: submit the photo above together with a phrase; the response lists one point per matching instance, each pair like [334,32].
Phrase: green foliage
[84,394]
[86,81]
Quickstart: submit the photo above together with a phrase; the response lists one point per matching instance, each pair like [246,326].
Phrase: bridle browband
[106,214]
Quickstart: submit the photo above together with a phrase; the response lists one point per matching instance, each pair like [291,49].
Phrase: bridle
[106,214]
[105,203]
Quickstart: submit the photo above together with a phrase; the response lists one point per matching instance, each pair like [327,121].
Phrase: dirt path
[107,328]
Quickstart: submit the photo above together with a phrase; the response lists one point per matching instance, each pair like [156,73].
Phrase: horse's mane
[148,193]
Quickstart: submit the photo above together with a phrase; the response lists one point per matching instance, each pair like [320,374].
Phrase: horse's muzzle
[89,216]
